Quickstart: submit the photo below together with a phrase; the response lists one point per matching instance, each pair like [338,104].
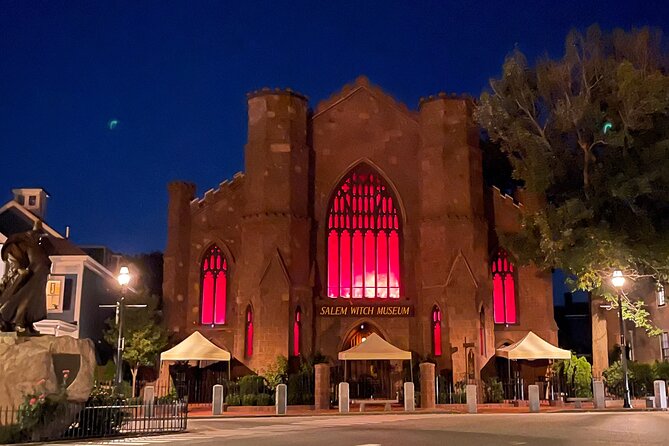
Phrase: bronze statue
[23,286]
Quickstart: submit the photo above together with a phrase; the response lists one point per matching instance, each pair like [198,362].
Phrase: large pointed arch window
[214,273]
[504,289]
[436,331]
[363,238]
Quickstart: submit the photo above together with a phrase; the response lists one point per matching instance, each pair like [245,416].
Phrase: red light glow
[214,287]
[363,239]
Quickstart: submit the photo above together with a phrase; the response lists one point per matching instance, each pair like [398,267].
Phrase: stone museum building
[359,216]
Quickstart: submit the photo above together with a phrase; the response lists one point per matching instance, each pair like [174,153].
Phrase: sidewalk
[204,411]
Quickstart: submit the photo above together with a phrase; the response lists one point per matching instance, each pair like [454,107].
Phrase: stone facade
[270,223]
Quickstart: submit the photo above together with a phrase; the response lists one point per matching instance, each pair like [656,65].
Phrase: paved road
[557,429]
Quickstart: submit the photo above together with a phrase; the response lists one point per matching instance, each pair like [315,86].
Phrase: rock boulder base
[25,362]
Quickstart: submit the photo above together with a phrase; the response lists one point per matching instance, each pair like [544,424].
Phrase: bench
[578,402]
[385,403]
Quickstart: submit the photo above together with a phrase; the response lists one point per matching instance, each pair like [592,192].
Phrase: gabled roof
[15,218]
[359,85]
[372,348]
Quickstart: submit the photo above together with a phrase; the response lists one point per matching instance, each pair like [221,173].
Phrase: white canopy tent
[374,347]
[532,347]
[196,348]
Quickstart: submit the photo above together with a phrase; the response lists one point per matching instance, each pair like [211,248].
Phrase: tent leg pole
[229,376]
[411,368]
[508,371]
[345,375]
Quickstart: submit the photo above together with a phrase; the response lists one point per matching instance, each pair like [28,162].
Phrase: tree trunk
[134,370]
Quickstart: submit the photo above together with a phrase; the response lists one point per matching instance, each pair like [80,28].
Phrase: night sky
[174,76]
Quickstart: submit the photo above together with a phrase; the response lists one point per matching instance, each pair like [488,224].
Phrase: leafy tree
[277,372]
[588,137]
[145,337]
[577,372]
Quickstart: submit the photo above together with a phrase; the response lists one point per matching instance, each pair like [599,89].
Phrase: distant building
[358,217]
[574,326]
[640,346]
[78,284]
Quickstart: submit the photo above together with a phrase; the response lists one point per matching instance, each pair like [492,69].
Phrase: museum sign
[366,310]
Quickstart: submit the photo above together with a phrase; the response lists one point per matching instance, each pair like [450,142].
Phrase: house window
[297,328]
[659,293]
[664,345]
[436,331]
[32,200]
[363,242]
[248,342]
[503,289]
[214,287]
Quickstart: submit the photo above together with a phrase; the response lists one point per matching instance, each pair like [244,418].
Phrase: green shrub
[251,385]
[577,372]
[233,400]
[171,397]
[276,373]
[614,378]
[264,399]
[250,400]
[661,370]
[493,390]
[11,434]
[642,377]
[300,388]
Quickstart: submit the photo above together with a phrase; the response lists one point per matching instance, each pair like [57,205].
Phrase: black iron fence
[249,390]
[78,421]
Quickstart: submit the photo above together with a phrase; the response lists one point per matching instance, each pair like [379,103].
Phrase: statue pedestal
[35,364]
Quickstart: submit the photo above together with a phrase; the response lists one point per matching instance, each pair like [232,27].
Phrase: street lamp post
[618,280]
[123,280]
[120,305]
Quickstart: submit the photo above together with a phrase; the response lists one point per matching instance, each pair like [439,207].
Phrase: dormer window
[32,200]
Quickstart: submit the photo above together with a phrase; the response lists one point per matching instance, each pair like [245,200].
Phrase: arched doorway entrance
[369,378]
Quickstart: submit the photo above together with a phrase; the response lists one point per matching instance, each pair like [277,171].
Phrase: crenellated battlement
[266,91]
[505,199]
[224,188]
[442,95]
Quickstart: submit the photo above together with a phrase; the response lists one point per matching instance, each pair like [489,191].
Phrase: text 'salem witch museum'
[358,217]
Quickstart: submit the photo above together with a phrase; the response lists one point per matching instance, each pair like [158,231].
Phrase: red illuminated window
[297,328]
[503,289]
[436,331]
[248,342]
[363,242]
[214,287]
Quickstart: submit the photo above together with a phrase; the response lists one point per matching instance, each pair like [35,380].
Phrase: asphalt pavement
[554,429]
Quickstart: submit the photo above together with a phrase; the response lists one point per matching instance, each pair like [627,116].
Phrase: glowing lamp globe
[618,280]
[124,276]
